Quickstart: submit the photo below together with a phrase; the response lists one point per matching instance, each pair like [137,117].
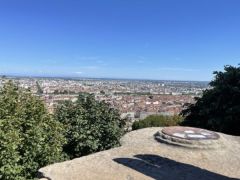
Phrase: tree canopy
[157,121]
[29,137]
[219,107]
[90,125]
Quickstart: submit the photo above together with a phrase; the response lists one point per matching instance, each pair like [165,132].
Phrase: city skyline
[156,40]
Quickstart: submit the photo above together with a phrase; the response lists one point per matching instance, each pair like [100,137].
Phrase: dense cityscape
[135,99]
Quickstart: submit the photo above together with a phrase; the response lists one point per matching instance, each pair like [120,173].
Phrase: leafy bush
[219,107]
[29,137]
[91,126]
[157,121]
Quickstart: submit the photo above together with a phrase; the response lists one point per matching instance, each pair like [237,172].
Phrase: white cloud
[140,61]
[90,67]
[177,69]
[100,61]
[141,57]
[88,57]
[78,72]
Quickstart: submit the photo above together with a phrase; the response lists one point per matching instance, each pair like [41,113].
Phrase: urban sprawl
[135,99]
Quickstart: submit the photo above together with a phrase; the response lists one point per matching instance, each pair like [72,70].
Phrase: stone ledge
[142,157]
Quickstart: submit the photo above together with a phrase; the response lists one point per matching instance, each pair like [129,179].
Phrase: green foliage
[39,89]
[219,107]
[157,121]
[63,92]
[102,92]
[91,126]
[29,137]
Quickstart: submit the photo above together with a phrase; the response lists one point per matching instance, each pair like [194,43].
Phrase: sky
[137,39]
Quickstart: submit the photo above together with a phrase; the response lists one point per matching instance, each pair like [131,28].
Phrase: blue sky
[149,39]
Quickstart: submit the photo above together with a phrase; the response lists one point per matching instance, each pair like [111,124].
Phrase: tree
[102,92]
[39,89]
[219,107]
[157,121]
[90,125]
[29,137]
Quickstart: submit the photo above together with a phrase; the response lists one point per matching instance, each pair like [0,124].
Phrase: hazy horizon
[93,78]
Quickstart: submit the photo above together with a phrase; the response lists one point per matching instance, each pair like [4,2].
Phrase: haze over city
[169,40]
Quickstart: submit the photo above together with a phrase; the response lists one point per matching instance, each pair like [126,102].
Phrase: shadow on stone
[158,167]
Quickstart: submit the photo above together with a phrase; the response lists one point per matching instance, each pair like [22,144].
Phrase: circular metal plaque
[189,137]
[190,133]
